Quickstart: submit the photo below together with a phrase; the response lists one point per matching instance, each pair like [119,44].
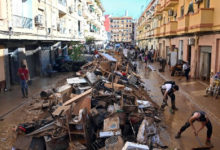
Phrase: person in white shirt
[168,89]
[186,69]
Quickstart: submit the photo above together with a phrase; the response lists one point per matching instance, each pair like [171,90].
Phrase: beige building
[64,20]
[39,31]
[122,29]
[189,29]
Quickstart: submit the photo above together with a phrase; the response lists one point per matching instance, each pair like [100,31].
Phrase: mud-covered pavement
[16,110]
[186,104]
[188,99]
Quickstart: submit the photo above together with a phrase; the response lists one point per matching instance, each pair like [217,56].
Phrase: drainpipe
[196,67]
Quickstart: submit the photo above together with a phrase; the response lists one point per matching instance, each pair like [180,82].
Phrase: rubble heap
[104,106]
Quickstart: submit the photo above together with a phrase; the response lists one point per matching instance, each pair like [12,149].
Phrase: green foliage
[75,51]
[90,40]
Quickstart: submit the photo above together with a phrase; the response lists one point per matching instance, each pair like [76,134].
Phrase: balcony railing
[183,24]
[22,22]
[162,30]
[171,3]
[85,13]
[79,13]
[162,3]
[166,4]
[157,31]
[202,20]
[158,10]
[171,28]
[62,2]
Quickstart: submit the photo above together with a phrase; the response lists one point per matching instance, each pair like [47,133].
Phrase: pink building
[201,51]
[107,23]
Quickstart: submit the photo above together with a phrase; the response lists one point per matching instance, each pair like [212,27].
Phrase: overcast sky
[117,8]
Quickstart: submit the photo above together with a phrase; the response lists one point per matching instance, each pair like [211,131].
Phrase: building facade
[189,28]
[121,29]
[107,27]
[37,31]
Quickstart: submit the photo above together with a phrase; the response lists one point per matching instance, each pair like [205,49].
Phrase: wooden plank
[84,102]
[116,86]
[61,109]
[77,97]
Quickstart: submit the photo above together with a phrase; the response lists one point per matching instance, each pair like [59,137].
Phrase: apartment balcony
[79,13]
[85,13]
[62,7]
[183,24]
[162,30]
[201,21]
[151,33]
[163,4]
[167,4]
[22,22]
[157,31]
[171,3]
[158,10]
[171,28]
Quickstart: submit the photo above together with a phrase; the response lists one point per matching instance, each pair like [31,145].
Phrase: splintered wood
[77,97]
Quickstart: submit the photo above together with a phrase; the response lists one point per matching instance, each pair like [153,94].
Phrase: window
[182,11]
[190,8]
[207,3]
[22,13]
[79,26]
[62,2]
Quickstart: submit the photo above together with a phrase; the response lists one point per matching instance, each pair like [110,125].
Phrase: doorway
[164,50]
[180,51]
[189,54]
[160,49]
[205,62]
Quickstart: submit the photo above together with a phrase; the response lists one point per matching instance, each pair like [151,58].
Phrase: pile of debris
[104,106]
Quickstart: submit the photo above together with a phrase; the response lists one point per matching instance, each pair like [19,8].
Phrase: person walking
[24,76]
[168,89]
[186,69]
[201,117]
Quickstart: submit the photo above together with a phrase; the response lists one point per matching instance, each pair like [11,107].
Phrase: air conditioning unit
[191,41]
[198,1]
[38,20]
[70,9]
[170,12]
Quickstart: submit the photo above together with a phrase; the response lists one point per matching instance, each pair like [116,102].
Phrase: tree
[90,40]
[75,51]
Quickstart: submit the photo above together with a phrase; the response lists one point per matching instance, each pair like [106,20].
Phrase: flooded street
[186,103]
[188,99]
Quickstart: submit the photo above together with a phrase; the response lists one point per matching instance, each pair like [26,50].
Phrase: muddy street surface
[187,102]
[15,109]
[188,99]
